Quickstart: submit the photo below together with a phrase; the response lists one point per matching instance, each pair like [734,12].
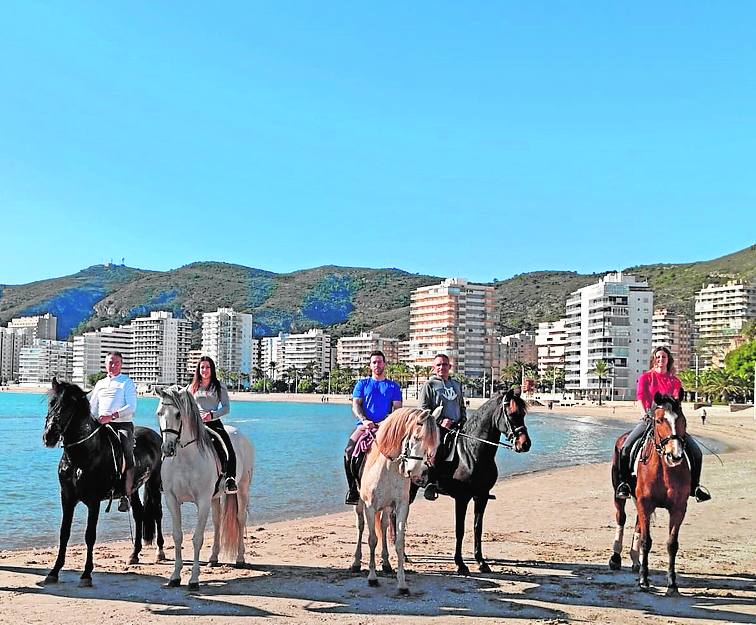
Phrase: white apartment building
[311,348]
[519,347]
[404,353]
[160,349]
[721,311]
[45,359]
[609,321]
[354,351]
[454,317]
[192,360]
[550,342]
[675,332]
[227,337]
[271,351]
[36,326]
[10,351]
[91,348]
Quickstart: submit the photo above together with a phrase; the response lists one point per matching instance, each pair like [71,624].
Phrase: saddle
[116,448]
[219,446]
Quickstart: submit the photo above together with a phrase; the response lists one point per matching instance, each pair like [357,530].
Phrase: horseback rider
[373,399]
[441,390]
[211,396]
[660,378]
[113,401]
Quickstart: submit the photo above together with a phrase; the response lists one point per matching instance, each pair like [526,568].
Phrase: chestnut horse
[405,440]
[663,481]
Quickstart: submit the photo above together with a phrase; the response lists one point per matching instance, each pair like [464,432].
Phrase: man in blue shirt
[373,399]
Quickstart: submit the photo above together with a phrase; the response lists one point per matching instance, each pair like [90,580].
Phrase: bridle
[660,444]
[55,412]
[511,432]
[177,440]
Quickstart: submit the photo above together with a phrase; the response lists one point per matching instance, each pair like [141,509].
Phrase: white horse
[191,472]
[404,442]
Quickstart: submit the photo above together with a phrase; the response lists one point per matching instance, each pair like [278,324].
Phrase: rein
[515,433]
[86,438]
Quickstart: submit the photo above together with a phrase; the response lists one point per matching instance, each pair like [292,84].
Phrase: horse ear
[658,398]
[161,391]
[55,384]
[437,412]
[509,395]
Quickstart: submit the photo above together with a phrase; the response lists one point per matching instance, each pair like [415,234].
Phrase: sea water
[298,465]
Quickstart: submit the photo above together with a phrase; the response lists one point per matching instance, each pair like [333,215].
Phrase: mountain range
[344,300]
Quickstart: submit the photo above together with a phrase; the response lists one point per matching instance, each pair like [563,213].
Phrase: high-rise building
[354,351]
[10,351]
[519,347]
[227,337]
[36,326]
[454,317]
[609,321]
[550,341]
[160,349]
[45,359]
[675,332]
[91,348]
[313,348]
[271,355]
[22,332]
[721,311]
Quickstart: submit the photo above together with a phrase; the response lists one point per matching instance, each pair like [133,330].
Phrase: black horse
[87,472]
[474,466]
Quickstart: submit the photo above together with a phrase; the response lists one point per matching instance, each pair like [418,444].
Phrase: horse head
[179,420]
[510,419]
[411,436]
[669,429]
[67,404]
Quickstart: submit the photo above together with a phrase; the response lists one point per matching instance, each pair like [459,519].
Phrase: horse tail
[230,532]
[153,507]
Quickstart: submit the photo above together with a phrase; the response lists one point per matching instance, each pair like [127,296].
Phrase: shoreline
[547,536]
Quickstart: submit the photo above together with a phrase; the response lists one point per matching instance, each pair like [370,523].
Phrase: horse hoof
[404,592]
[160,556]
[373,583]
[193,586]
[51,579]
[173,583]
[644,586]
[355,568]
[615,562]
[241,565]
[672,591]
[463,570]
[133,560]
[386,568]
[484,568]
[213,563]
[636,568]
[85,583]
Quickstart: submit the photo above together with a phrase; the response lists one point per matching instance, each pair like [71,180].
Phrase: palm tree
[688,380]
[600,368]
[719,383]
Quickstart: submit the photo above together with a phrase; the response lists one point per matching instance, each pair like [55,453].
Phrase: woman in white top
[212,398]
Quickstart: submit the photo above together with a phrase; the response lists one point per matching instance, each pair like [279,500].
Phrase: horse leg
[175,509]
[402,512]
[460,512]
[359,511]
[68,504]
[620,517]
[137,512]
[372,543]
[644,523]
[480,504]
[203,511]
[635,547]
[90,536]
[676,516]
[216,512]
[242,499]
[387,518]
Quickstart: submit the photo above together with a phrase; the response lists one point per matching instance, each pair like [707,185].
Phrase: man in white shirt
[113,401]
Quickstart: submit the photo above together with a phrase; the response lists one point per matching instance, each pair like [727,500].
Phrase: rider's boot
[231,487]
[353,495]
[124,505]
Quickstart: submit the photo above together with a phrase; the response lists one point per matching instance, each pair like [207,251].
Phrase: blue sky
[470,139]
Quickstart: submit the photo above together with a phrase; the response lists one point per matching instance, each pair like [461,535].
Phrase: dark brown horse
[663,481]
[474,471]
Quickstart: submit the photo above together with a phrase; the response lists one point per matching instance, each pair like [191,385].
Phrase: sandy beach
[548,537]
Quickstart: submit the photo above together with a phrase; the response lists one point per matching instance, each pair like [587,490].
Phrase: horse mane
[187,405]
[487,410]
[399,423]
[78,397]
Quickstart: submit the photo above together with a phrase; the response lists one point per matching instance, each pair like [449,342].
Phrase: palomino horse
[663,481]
[404,441]
[89,472]
[191,472]
[475,472]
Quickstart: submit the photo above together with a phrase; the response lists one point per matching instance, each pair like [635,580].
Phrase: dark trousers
[352,468]
[228,463]
[125,433]
[694,454]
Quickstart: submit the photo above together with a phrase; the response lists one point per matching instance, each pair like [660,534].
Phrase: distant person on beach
[211,396]
[113,401]
[660,378]
[373,399]
[703,416]
[441,390]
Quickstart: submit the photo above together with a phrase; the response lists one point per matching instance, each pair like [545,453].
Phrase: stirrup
[701,494]
[351,499]
[623,491]
[431,492]
[124,505]
[231,488]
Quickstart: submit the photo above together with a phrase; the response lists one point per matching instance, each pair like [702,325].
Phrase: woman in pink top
[660,378]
